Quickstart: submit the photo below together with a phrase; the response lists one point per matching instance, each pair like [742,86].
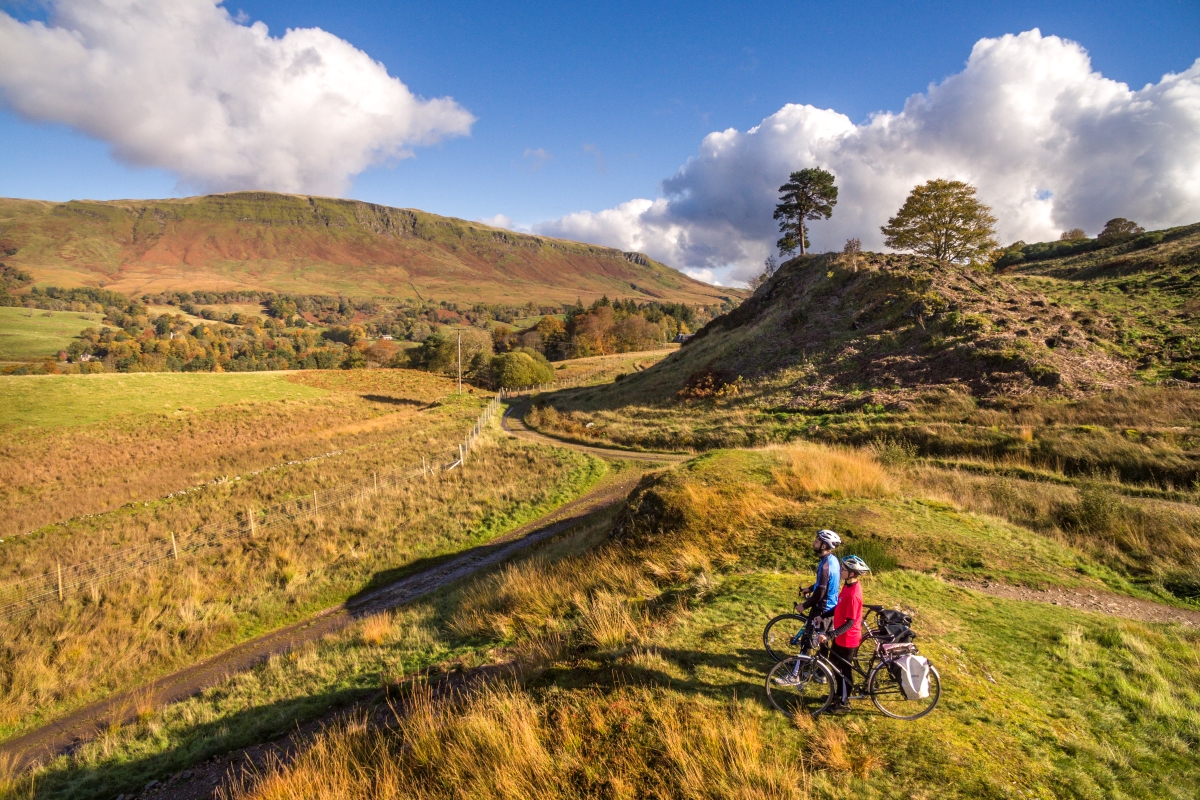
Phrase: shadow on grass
[265,723]
[395,401]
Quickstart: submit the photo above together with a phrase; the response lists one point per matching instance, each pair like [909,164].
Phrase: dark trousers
[842,659]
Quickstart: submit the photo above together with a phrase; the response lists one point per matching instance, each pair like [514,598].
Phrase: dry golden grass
[173,613]
[376,629]
[1132,534]
[809,472]
[632,742]
[504,742]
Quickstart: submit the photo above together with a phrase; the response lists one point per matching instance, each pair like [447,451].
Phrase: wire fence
[27,594]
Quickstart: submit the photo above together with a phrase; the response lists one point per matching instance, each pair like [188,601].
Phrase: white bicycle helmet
[829,537]
[855,564]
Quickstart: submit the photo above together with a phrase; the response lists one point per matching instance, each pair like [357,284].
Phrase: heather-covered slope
[291,243]
[828,333]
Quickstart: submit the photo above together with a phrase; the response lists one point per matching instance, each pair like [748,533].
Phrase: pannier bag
[913,676]
[894,626]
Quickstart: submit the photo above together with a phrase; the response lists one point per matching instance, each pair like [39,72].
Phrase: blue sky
[585,106]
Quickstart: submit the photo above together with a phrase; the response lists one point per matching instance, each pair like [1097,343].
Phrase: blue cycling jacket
[829,581]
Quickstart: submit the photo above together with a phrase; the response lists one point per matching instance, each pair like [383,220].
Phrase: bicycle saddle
[876,609]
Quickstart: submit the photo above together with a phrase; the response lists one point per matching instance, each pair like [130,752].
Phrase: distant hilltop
[294,243]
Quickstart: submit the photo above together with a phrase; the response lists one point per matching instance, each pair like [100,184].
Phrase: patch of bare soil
[1099,602]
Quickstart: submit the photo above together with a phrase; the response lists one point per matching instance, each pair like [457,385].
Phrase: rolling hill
[1053,319]
[290,243]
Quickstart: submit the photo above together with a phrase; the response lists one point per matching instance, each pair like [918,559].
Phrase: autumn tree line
[183,332]
[509,357]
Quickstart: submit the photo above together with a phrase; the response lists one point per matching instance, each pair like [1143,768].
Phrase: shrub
[709,384]
[519,369]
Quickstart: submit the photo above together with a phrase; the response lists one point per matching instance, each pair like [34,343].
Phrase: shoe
[840,708]
[788,680]
[820,679]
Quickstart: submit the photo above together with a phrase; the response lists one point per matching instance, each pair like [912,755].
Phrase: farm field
[58,401]
[634,647]
[356,424]
[84,444]
[28,334]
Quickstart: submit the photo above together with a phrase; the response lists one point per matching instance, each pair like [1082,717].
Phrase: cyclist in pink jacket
[847,629]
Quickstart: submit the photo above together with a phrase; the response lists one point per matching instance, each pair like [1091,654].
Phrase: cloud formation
[181,85]
[1050,143]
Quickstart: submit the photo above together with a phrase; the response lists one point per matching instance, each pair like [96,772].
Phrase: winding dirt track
[67,733]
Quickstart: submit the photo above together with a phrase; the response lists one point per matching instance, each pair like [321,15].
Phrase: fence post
[60,586]
[174,549]
[424,469]
[461,456]
[375,475]
[314,499]
[250,516]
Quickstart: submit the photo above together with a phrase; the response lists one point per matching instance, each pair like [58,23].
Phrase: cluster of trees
[605,327]
[1116,231]
[474,349]
[941,219]
[173,343]
[11,278]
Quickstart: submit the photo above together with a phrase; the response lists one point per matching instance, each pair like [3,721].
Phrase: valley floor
[623,658]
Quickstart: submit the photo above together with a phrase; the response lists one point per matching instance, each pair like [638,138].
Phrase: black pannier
[894,627]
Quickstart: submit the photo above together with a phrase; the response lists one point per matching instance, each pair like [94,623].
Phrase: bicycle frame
[806,648]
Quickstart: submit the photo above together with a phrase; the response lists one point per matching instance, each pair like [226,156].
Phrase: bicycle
[806,683]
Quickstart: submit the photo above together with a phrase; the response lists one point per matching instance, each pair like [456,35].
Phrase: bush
[519,369]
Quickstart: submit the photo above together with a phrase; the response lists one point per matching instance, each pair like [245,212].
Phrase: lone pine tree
[808,194]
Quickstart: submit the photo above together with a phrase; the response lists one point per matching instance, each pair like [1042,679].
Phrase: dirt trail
[1095,600]
[513,424]
[67,733]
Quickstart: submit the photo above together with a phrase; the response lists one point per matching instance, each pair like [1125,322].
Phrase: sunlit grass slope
[82,444]
[638,663]
[635,666]
[54,401]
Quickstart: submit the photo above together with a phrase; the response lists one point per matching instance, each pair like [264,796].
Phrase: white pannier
[914,676]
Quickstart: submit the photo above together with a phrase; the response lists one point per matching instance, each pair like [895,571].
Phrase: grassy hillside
[633,650]
[1071,367]
[290,243]
[1140,298]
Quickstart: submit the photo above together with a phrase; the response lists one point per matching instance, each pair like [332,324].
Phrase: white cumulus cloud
[1051,144]
[181,85]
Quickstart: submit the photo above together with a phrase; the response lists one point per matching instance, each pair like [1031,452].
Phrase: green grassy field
[636,650]
[72,400]
[27,334]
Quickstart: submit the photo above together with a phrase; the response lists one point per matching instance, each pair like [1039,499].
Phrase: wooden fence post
[375,475]
[174,549]
[250,516]
[60,586]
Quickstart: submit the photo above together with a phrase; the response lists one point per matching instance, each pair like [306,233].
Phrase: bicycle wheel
[801,685]
[781,637]
[889,698]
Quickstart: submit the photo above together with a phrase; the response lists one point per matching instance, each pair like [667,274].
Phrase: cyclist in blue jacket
[821,598]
